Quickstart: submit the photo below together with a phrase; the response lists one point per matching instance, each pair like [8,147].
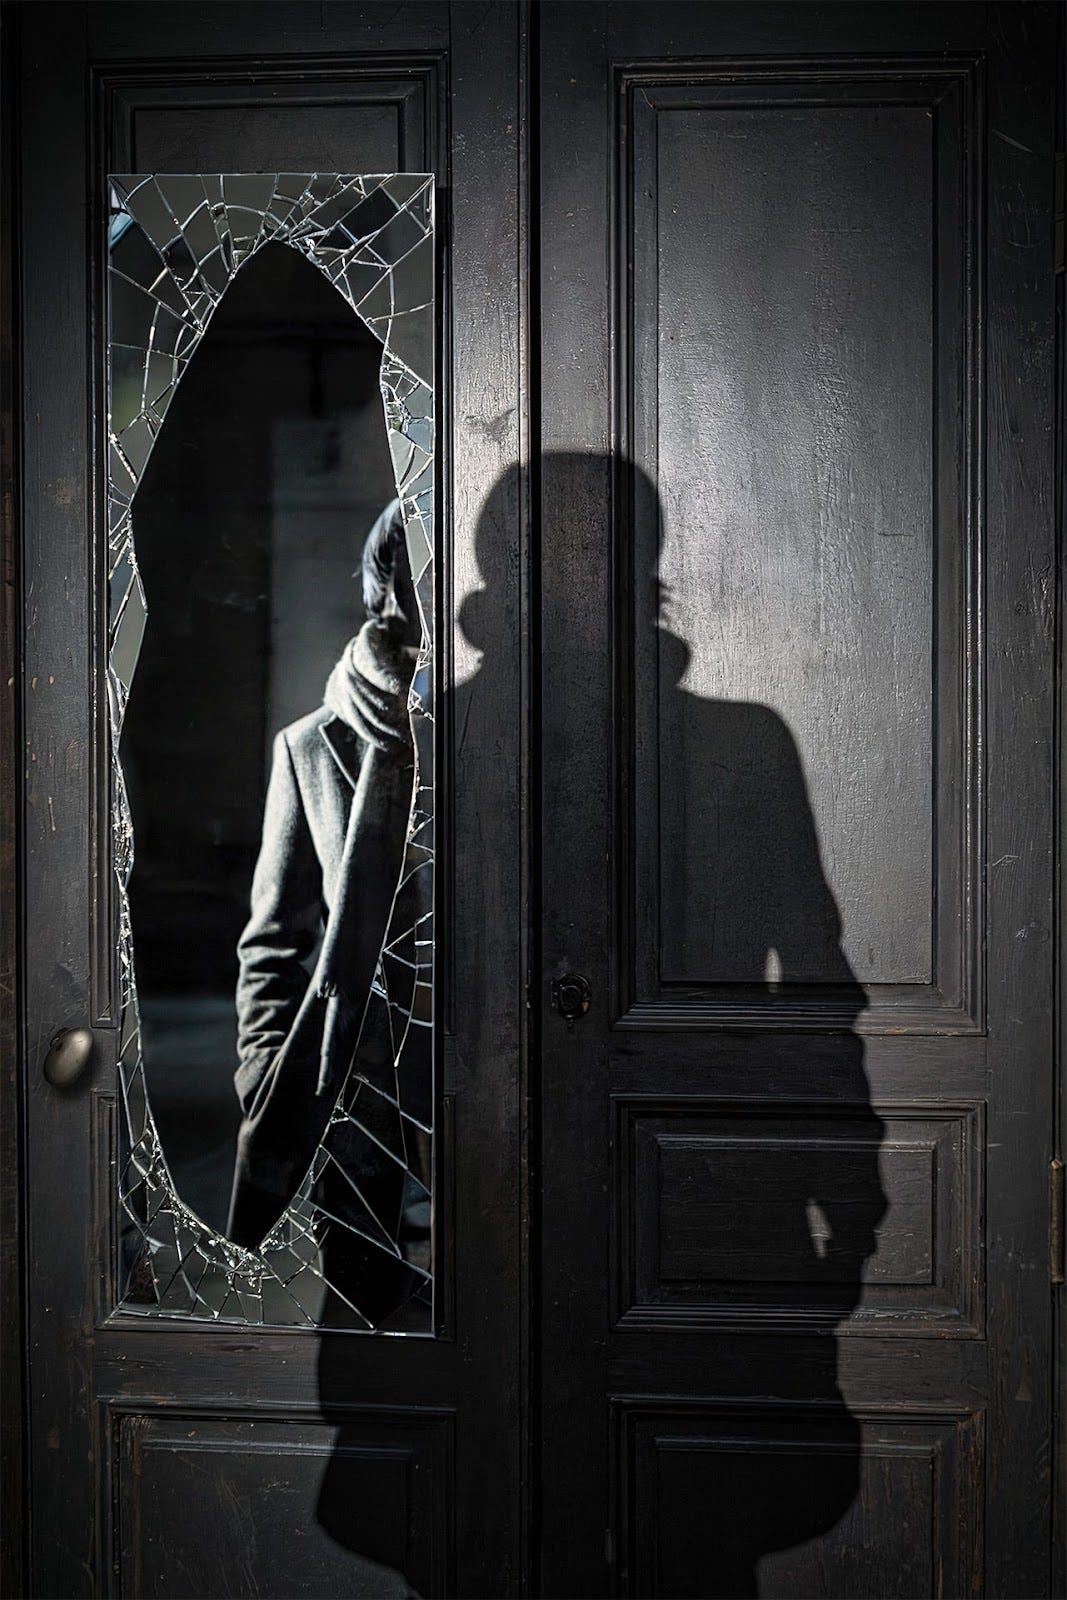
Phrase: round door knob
[571,995]
[68,1056]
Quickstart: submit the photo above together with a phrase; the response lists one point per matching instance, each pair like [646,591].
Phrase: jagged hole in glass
[372,237]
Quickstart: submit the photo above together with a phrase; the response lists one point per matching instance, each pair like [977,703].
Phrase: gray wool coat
[334,837]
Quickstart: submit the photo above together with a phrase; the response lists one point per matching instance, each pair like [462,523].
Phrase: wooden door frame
[12,1333]
[1059,1269]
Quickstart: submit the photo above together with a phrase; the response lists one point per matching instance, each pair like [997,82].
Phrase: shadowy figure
[743,875]
[745,907]
[750,910]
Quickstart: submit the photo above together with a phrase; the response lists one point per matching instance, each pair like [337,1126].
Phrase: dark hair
[380,549]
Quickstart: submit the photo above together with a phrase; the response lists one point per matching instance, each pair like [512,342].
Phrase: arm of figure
[368,690]
[804,921]
[282,929]
[806,928]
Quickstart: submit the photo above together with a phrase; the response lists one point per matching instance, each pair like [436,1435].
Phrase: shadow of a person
[783,1225]
[793,1224]
[785,1211]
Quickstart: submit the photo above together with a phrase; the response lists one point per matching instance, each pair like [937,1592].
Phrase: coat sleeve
[282,929]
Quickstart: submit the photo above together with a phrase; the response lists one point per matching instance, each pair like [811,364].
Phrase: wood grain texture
[912,1476]
[13,1486]
[797,560]
[802,389]
[1020,592]
[246,1505]
[55,716]
[734,1216]
[700,406]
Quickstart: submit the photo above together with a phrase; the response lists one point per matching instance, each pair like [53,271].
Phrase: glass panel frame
[184,239]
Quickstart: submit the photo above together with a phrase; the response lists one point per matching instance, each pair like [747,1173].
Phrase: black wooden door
[796,500]
[185,1458]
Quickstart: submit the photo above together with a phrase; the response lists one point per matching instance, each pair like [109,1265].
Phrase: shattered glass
[176,242]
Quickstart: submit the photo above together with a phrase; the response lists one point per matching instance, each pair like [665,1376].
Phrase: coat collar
[345,746]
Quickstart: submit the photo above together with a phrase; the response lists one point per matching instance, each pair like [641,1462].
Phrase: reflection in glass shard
[175,244]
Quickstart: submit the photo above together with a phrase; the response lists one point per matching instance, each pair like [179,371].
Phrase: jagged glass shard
[352,1246]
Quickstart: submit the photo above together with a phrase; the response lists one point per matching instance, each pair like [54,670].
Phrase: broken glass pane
[331,1216]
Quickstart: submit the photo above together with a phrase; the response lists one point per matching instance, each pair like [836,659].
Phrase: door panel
[680,1461]
[187,1451]
[796,505]
[814,210]
[366,1511]
[724,1215]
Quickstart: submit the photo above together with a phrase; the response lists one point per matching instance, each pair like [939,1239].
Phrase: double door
[743,1099]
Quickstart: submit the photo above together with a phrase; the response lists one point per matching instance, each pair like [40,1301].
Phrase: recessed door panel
[805,648]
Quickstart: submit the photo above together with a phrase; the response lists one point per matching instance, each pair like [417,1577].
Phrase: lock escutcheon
[571,995]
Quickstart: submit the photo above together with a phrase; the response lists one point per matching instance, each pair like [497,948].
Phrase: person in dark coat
[333,850]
